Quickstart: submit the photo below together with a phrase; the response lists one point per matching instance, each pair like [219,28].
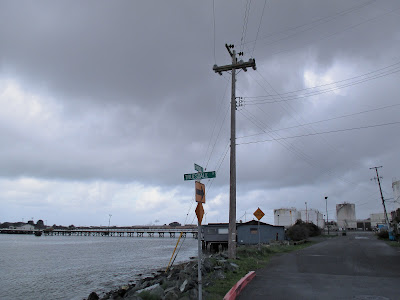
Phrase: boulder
[149,289]
[93,296]
[171,295]
[183,286]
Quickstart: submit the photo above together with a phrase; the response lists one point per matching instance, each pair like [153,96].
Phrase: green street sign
[198,168]
[199,176]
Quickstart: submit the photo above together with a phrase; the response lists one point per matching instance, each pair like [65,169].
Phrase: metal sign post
[200,196]
[259,214]
[199,213]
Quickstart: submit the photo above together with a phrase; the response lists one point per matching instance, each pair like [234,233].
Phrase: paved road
[356,266]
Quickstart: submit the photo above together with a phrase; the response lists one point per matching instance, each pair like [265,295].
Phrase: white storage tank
[396,193]
[346,216]
[286,216]
[313,216]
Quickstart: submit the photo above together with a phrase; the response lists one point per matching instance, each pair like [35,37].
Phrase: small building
[215,235]
[248,233]
[26,227]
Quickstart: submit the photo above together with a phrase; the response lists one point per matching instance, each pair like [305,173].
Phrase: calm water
[57,267]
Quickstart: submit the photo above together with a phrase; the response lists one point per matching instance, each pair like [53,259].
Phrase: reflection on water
[70,267]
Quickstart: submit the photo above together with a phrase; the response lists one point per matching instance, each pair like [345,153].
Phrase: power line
[337,32]
[317,22]
[287,96]
[326,20]
[215,124]
[324,132]
[215,59]
[258,30]
[335,82]
[245,22]
[321,121]
[216,139]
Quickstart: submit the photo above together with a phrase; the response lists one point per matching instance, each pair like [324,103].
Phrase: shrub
[383,234]
[301,231]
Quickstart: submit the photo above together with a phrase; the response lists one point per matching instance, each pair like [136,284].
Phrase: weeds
[249,258]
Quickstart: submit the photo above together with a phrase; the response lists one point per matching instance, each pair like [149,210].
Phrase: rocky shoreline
[179,282]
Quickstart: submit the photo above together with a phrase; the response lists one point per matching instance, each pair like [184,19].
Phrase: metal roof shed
[248,234]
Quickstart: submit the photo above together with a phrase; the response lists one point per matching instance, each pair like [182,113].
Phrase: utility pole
[232,189]
[383,200]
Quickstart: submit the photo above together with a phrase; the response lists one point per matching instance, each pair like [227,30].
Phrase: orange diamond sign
[259,214]
[199,212]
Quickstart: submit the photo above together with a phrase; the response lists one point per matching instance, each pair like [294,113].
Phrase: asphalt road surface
[356,266]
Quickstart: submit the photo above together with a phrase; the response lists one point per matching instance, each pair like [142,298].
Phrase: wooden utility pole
[232,189]
[383,200]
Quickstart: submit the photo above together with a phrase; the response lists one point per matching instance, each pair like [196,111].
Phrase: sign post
[259,214]
[199,213]
[200,196]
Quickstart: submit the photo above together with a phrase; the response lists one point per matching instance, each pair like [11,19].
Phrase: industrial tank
[286,216]
[346,216]
[396,193]
[313,216]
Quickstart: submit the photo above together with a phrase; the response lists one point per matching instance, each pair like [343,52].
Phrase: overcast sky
[106,104]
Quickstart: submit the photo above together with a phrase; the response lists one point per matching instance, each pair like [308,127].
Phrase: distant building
[378,218]
[313,216]
[286,216]
[346,216]
[364,225]
[26,227]
[215,235]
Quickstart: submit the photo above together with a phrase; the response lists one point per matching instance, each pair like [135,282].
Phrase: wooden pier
[114,232]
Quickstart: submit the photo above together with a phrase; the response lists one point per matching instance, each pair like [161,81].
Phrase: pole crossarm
[239,65]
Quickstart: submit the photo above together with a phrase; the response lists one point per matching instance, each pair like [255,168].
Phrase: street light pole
[326,203]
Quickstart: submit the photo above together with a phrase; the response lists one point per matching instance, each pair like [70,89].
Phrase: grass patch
[393,243]
[249,259]
[329,236]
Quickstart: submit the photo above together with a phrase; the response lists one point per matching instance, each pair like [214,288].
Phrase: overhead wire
[322,21]
[316,22]
[321,121]
[335,33]
[323,132]
[213,6]
[214,126]
[245,23]
[311,91]
[258,30]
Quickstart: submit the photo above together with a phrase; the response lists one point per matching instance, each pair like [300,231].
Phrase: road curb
[239,286]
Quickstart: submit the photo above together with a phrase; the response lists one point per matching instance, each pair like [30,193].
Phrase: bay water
[71,267]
